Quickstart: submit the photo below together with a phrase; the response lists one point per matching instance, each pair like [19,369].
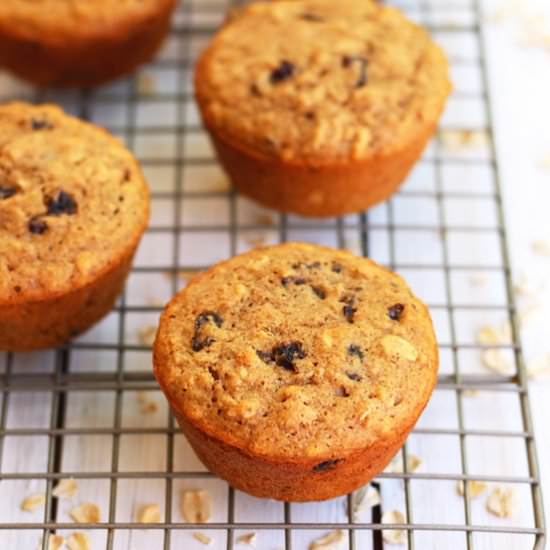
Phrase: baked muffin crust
[53,20]
[73,201]
[80,43]
[73,207]
[332,81]
[297,353]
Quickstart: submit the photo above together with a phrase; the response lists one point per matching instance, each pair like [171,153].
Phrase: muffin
[330,114]
[296,371]
[73,207]
[80,42]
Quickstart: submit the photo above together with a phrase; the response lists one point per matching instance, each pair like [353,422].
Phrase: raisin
[254,90]
[355,351]
[214,373]
[326,465]
[336,267]
[348,60]
[311,17]
[41,124]
[309,115]
[283,355]
[285,281]
[283,72]
[265,356]
[37,226]
[312,265]
[63,203]
[396,311]
[348,310]
[7,192]
[319,291]
[207,316]
[198,343]
[354,376]
[363,78]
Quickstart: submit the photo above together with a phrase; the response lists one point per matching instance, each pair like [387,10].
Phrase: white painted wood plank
[24,454]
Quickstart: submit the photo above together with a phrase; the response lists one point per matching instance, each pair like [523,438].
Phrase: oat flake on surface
[500,334]
[365,496]
[247,538]
[149,513]
[196,506]
[55,542]
[256,240]
[393,536]
[501,502]
[33,502]
[526,287]
[146,404]
[66,488]
[475,488]
[147,334]
[455,140]
[146,84]
[202,538]
[494,360]
[396,465]
[86,513]
[329,541]
[78,541]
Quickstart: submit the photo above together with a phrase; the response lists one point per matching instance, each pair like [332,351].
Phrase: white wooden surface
[525,76]
[520,78]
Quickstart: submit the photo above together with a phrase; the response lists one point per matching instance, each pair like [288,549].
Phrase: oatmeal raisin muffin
[296,371]
[331,112]
[80,42]
[73,207]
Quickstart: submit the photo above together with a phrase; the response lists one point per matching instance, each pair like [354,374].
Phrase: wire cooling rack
[84,411]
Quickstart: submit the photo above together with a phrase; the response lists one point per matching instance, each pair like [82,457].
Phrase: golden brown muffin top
[72,200]
[297,352]
[53,20]
[321,80]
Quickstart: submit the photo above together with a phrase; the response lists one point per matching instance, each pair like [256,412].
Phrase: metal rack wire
[161,126]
